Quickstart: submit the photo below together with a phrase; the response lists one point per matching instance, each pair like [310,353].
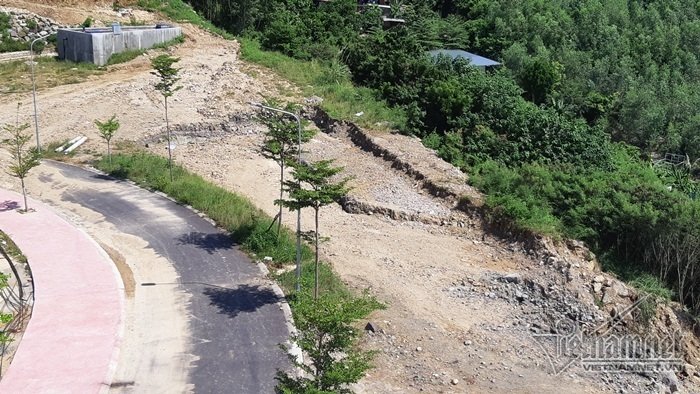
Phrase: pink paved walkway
[71,341]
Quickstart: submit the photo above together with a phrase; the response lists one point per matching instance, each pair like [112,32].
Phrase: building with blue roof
[473,59]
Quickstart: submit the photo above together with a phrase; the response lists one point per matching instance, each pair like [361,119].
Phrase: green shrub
[4,22]
[123,57]
[87,22]
[32,25]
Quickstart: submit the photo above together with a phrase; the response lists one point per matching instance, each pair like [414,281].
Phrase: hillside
[468,303]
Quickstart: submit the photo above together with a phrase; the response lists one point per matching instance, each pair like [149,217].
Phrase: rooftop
[473,59]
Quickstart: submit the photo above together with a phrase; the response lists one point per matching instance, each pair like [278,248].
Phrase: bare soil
[428,339]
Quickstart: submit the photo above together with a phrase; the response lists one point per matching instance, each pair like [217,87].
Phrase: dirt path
[430,339]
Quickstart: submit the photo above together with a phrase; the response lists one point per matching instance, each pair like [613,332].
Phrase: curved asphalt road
[236,325]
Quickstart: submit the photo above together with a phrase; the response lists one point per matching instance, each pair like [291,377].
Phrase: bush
[626,214]
[32,25]
[327,335]
[123,57]
[87,22]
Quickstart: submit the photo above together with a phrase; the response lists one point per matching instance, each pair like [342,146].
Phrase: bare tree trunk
[109,153]
[316,261]
[167,129]
[24,193]
[279,217]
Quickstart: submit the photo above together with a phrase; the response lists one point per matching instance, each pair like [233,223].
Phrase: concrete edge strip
[114,362]
[292,347]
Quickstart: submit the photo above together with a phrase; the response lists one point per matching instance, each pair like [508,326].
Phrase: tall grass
[248,225]
[123,57]
[129,55]
[341,99]
[180,11]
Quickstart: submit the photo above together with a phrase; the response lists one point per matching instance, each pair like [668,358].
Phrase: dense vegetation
[561,136]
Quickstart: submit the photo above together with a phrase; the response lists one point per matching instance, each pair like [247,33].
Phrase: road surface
[234,317]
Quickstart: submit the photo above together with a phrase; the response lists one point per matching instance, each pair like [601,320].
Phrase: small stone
[599,279]
[689,369]
[467,343]
[419,349]
[597,287]
[371,327]
[620,289]
[520,296]
[512,278]
[669,379]
[267,259]
[454,382]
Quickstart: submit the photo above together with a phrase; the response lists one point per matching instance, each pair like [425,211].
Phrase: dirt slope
[453,323]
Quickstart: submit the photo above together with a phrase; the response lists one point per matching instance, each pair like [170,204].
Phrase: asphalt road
[236,323]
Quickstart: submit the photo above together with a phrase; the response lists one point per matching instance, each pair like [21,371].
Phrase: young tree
[327,335]
[107,130]
[312,187]
[24,159]
[281,144]
[168,77]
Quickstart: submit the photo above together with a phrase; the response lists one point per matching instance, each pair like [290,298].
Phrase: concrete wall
[103,43]
[74,45]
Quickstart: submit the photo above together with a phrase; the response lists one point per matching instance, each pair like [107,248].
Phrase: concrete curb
[292,348]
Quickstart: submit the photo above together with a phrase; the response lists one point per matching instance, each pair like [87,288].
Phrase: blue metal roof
[474,60]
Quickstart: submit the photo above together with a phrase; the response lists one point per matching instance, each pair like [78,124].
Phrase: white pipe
[69,143]
[75,145]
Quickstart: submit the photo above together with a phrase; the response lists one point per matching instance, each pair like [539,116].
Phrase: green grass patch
[636,277]
[126,56]
[15,76]
[179,11]
[652,285]
[341,99]
[248,225]
[175,41]
[48,151]
[129,55]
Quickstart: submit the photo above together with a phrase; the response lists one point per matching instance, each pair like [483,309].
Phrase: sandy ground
[407,265]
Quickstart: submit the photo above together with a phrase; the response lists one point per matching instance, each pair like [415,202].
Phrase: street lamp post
[36,116]
[296,117]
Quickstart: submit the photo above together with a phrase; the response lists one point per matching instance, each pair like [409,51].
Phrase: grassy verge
[126,56]
[341,99]
[247,224]
[130,55]
[179,11]
[15,76]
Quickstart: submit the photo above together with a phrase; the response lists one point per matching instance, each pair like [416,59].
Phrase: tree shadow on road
[244,298]
[209,242]
[8,205]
